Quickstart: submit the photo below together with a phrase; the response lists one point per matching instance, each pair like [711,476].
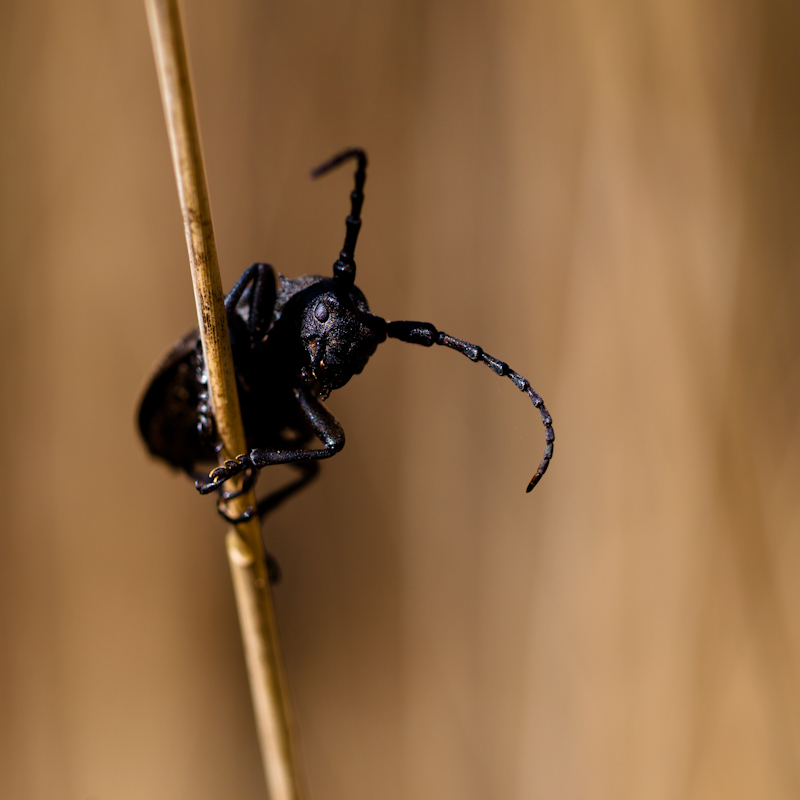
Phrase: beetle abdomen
[169,411]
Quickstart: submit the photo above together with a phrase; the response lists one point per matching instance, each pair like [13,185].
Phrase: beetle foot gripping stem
[222,510]
[248,483]
[230,469]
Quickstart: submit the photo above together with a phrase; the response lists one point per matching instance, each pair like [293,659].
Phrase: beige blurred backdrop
[605,195]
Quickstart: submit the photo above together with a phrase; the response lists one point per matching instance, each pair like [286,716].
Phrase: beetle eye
[321,312]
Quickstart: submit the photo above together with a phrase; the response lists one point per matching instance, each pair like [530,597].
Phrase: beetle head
[339,335]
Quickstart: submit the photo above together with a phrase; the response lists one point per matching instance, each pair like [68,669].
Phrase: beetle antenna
[425,334]
[344,269]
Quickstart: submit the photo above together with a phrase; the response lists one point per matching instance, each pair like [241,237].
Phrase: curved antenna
[344,268]
[425,334]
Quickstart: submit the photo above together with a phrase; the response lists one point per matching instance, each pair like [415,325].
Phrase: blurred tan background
[605,195]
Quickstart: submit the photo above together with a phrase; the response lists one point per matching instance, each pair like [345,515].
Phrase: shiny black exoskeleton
[293,343]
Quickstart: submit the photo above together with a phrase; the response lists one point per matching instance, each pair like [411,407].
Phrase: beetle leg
[225,472]
[247,484]
[262,302]
[222,510]
[426,334]
[324,424]
[310,470]
[251,274]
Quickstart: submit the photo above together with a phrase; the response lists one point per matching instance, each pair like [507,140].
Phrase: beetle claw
[247,484]
[222,510]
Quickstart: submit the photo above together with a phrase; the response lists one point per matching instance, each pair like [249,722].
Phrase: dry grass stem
[244,546]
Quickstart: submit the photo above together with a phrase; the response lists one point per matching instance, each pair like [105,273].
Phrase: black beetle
[293,344]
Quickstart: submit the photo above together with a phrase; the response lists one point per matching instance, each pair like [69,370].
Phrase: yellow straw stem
[244,546]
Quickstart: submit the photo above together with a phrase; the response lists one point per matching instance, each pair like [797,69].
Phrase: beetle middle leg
[247,484]
[309,471]
[222,501]
[324,425]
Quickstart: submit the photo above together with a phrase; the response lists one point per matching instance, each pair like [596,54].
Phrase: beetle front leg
[230,469]
[325,425]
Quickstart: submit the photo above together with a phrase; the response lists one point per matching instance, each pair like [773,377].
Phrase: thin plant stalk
[244,545]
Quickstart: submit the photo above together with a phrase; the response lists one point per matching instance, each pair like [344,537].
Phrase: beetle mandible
[293,343]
